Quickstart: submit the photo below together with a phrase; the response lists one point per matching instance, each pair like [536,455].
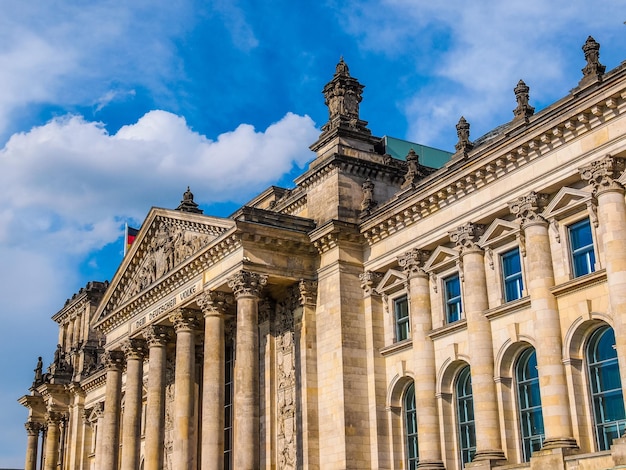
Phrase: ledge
[449,329]
[396,347]
[508,307]
[579,283]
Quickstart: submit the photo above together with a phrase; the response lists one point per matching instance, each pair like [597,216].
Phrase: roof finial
[594,70]
[523,110]
[463,132]
[188,204]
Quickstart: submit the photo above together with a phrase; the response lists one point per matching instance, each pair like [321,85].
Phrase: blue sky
[109,107]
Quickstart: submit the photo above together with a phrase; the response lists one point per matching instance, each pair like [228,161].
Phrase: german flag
[129,237]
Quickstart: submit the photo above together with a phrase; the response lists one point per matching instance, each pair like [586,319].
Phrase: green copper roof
[429,156]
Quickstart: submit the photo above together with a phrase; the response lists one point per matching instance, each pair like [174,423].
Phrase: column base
[431,465]
[560,443]
[554,458]
[487,459]
[618,452]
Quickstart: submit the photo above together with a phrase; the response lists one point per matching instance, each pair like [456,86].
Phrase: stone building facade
[382,314]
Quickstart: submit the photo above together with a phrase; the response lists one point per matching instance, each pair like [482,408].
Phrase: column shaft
[157,337]
[425,373]
[52,441]
[109,457]
[213,391]
[131,428]
[551,371]
[185,322]
[32,444]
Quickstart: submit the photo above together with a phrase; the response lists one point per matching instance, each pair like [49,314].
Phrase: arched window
[410,427]
[529,398]
[606,387]
[465,410]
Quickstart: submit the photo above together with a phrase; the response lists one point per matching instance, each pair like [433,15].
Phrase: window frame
[527,414]
[517,277]
[411,444]
[588,251]
[467,425]
[403,323]
[455,300]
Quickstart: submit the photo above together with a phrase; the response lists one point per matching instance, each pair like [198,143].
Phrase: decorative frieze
[247,284]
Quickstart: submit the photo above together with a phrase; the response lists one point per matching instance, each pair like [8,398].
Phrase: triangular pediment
[392,280]
[499,231]
[441,258]
[566,202]
[167,239]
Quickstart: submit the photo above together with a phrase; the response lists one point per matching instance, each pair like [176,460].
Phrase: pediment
[167,239]
[391,281]
[566,202]
[499,231]
[441,258]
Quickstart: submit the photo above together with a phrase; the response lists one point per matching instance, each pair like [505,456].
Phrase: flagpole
[125,237]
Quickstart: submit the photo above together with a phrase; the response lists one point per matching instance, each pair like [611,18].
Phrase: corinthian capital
[466,237]
[412,262]
[185,319]
[247,284]
[602,174]
[32,428]
[215,303]
[308,292]
[369,279]
[527,208]
[157,335]
[113,359]
[134,348]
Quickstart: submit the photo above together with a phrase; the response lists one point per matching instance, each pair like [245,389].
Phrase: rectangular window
[512,275]
[452,292]
[401,309]
[581,245]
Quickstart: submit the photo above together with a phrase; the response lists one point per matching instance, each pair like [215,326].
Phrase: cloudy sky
[108,108]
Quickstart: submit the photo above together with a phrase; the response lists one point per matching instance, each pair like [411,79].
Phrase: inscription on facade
[168,305]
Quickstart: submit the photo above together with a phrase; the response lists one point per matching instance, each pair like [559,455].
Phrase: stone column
[157,337]
[53,420]
[75,439]
[185,324]
[247,288]
[32,444]
[99,425]
[480,345]
[428,436]
[135,351]
[109,457]
[214,306]
[602,175]
[540,279]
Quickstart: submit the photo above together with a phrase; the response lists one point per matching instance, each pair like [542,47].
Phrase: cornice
[333,233]
[94,381]
[520,145]
[579,283]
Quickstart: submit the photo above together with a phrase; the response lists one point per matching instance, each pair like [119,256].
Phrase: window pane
[581,245]
[512,275]
[452,292]
[530,412]
[410,427]
[606,387]
[465,411]
[401,312]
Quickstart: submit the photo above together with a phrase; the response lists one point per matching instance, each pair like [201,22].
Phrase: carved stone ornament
[188,204]
[466,237]
[54,417]
[169,247]
[523,110]
[308,292]
[247,284]
[368,203]
[113,360]
[412,262]
[343,94]
[369,280]
[157,335]
[265,310]
[414,171]
[33,428]
[527,208]
[135,348]
[602,174]
[214,302]
[594,70]
[463,133]
[185,319]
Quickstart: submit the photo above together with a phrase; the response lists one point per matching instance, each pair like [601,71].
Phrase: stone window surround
[443,263]
[392,287]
